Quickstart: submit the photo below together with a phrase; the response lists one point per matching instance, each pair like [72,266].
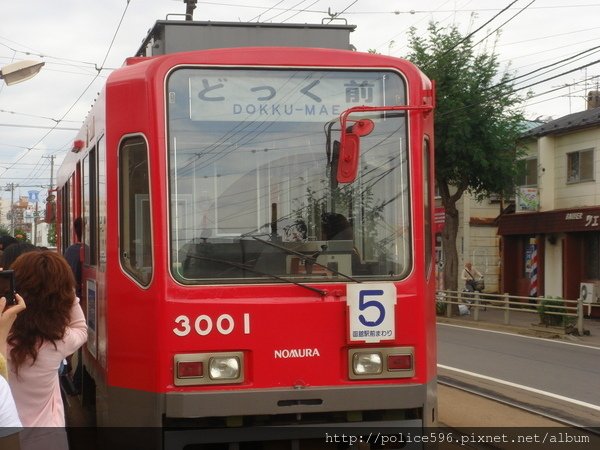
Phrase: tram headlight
[381,362]
[224,368]
[194,369]
[367,363]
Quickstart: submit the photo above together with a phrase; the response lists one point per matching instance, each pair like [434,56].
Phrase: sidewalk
[525,323]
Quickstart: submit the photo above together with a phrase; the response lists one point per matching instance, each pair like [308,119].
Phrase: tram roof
[170,36]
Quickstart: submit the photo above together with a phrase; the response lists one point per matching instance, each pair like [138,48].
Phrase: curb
[533,331]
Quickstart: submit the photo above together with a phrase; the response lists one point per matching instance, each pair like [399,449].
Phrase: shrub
[556,306]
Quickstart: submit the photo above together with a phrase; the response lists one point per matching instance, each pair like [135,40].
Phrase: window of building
[580,166]
[530,175]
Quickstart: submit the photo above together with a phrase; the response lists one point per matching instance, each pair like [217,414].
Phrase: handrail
[507,303]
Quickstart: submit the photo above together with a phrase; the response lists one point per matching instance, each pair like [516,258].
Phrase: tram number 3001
[204,325]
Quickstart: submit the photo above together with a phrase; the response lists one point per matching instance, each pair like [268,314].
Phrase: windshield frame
[174,261]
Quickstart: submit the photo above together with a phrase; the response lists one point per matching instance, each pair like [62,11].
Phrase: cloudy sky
[553,44]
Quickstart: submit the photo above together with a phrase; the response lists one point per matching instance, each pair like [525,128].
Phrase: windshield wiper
[312,259]
[258,272]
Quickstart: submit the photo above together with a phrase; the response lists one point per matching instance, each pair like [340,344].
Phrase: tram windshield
[254,191]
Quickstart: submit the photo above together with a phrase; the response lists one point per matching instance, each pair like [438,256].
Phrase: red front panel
[289,336]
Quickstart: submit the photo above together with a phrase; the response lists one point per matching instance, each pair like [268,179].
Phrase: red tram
[258,235]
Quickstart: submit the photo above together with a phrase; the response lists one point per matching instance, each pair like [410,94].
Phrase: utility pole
[11,187]
[51,157]
[51,197]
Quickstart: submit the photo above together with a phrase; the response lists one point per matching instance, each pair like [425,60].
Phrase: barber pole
[533,280]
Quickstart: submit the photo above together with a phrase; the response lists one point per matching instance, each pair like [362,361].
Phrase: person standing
[10,424]
[51,328]
[73,254]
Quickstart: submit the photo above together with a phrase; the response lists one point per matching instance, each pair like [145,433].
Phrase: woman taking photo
[51,328]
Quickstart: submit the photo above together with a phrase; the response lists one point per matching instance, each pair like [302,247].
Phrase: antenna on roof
[190,6]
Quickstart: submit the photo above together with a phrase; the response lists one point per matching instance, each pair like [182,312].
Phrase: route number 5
[371,312]
[364,304]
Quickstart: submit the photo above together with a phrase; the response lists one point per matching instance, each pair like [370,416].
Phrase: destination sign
[282,96]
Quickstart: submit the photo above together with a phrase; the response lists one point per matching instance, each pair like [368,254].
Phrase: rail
[552,311]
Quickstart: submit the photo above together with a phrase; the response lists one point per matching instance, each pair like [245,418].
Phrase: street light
[20,71]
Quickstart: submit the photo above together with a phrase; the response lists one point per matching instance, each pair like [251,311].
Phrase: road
[561,372]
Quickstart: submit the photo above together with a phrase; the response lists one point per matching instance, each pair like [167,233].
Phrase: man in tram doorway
[73,255]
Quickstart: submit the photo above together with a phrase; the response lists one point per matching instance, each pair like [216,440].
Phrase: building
[477,239]
[550,245]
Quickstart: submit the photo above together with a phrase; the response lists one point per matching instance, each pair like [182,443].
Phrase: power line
[468,36]
[504,23]
[15,113]
[264,12]
[40,127]
[82,94]
[285,10]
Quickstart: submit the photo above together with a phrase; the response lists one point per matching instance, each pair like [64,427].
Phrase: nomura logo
[297,353]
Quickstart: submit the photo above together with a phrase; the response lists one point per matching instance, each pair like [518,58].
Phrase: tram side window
[66,217]
[90,208]
[135,235]
[427,203]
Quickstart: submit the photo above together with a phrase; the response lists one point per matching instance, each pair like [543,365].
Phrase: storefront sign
[527,199]
[561,221]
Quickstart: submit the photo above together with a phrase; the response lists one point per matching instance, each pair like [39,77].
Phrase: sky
[552,44]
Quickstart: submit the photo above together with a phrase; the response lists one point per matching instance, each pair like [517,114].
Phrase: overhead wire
[300,11]
[504,23]
[264,12]
[306,10]
[81,95]
[468,36]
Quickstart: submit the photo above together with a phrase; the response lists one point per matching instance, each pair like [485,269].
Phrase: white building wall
[4,210]
[547,167]
[576,194]
[479,243]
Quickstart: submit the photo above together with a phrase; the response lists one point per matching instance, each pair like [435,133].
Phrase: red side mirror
[348,158]
[349,155]
[363,127]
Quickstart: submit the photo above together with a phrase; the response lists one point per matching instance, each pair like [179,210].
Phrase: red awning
[556,221]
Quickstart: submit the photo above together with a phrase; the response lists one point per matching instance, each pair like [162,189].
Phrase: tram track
[550,414]
[538,419]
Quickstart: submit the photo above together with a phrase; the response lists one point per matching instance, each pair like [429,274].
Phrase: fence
[552,311]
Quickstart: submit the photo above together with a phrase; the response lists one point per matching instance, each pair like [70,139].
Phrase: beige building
[557,215]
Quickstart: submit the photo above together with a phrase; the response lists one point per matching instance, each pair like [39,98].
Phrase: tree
[477,125]
[21,235]
[52,234]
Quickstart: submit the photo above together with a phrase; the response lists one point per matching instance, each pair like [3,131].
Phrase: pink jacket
[36,388]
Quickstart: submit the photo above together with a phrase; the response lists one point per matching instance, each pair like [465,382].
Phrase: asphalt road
[557,367]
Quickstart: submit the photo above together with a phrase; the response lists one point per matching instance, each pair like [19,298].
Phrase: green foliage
[52,234]
[551,312]
[21,235]
[477,125]
[477,120]
[440,304]
[4,230]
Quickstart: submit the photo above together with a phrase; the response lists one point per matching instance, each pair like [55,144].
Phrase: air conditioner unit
[589,292]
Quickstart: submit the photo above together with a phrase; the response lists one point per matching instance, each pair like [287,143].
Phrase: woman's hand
[7,318]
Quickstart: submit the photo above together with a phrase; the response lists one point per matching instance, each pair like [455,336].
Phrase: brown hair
[46,282]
